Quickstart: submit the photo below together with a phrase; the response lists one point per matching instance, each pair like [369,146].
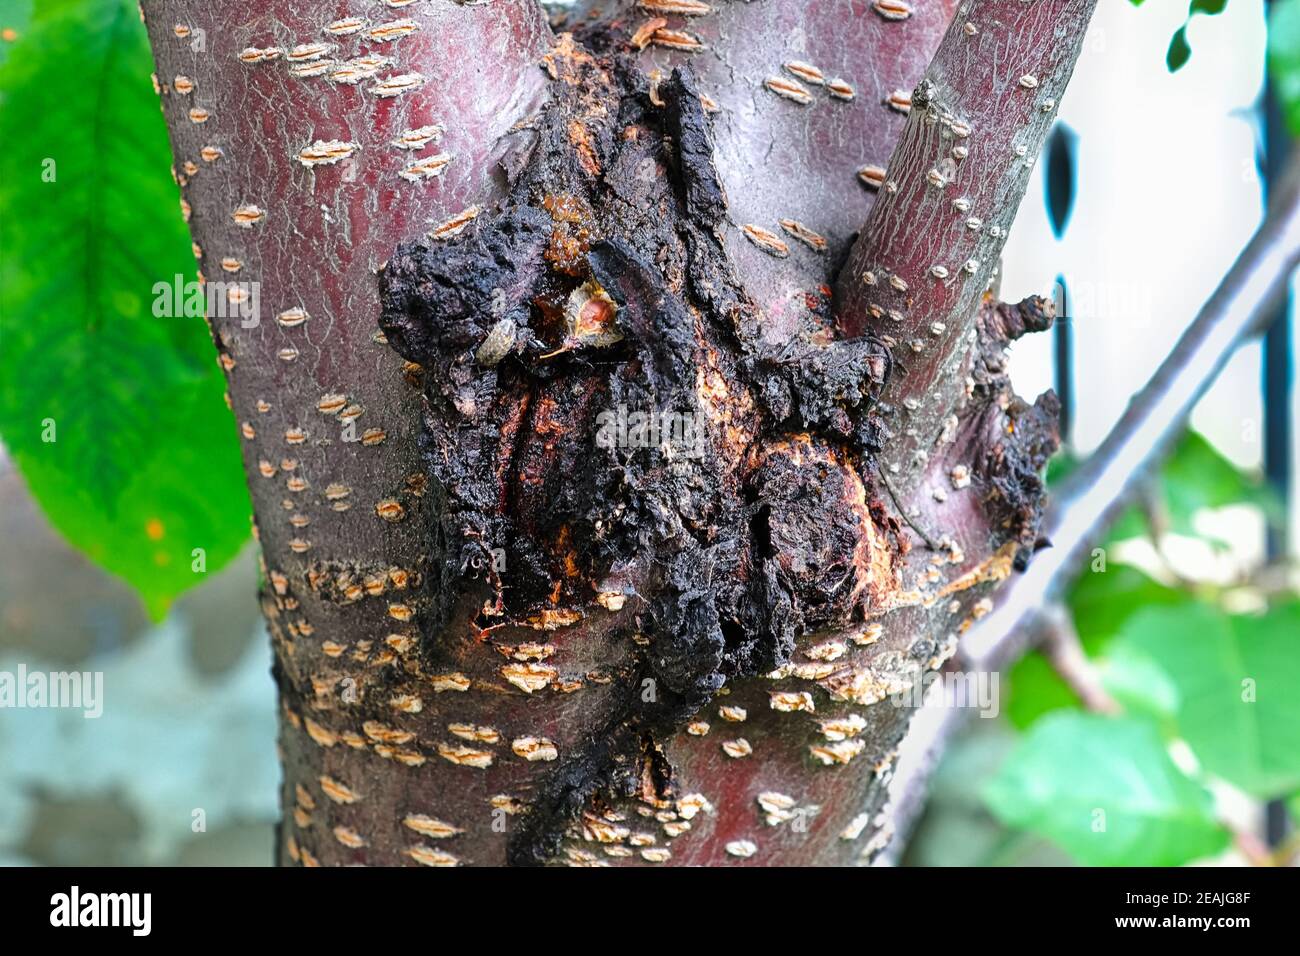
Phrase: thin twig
[1064,651]
[1097,493]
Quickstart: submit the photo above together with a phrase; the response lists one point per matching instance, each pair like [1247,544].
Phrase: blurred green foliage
[1236,684]
[1193,478]
[1183,668]
[1100,604]
[1284,59]
[114,416]
[1106,791]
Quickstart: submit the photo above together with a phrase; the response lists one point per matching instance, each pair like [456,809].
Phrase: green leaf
[1033,689]
[1140,686]
[1284,59]
[1210,8]
[1197,476]
[1105,791]
[1179,51]
[143,468]
[1100,602]
[1237,680]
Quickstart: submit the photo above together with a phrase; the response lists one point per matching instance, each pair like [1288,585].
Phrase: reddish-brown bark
[338,575]
[931,245]
[783,159]
[410,734]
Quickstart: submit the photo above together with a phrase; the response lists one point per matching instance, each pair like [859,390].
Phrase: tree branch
[798,91]
[1064,651]
[976,124]
[1099,490]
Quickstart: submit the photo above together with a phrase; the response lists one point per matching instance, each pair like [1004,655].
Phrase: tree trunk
[510,624]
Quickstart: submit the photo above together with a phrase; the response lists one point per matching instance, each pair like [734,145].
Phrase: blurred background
[1165,186]
[1169,135]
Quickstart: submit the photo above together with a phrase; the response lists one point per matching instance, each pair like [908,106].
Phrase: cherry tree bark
[516,621]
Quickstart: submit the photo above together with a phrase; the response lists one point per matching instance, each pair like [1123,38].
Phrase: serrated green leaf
[144,466]
[1100,602]
[1106,791]
[1237,680]
[1284,59]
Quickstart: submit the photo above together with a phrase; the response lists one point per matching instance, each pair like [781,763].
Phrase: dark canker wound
[607,428]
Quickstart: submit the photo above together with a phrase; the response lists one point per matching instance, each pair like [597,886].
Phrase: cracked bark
[500,638]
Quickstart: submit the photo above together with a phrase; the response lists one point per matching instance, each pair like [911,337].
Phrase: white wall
[1167,194]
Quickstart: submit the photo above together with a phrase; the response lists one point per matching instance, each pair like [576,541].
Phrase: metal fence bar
[1279,424]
